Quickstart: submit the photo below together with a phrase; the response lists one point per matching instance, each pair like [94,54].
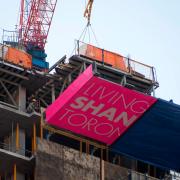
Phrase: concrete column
[22,98]
[53,94]
[22,142]
[22,107]
[20,176]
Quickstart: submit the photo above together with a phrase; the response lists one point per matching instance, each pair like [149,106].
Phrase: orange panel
[18,57]
[113,59]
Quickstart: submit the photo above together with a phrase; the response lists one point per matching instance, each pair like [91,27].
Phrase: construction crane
[35,21]
[34,25]
[88,10]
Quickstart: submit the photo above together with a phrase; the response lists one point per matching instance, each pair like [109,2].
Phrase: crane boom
[35,28]
[88,10]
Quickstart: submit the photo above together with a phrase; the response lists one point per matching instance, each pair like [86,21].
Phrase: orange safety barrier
[19,57]
[113,59]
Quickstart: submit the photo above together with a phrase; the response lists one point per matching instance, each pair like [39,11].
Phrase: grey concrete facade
[54,161]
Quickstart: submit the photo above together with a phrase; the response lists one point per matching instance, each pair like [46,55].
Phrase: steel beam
[14,74]
[43,101]
[10,82]
[8,93]
[57,63]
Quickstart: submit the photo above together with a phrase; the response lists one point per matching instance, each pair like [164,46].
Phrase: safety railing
[117,61]
[10,37]
[11,148]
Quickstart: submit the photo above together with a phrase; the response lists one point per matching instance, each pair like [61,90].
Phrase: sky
[146,30]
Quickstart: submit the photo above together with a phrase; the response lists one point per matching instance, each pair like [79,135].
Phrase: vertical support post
[101,153]
[3,54]
[41,128]
[155,172]
[154,80]
[15,172]
[136,165]
[22,98]
[32,144]
[78,47]
[103,56]
[80,148]
[34,137]
[129,65]
[53,93]
[119,160]
[84,66]
[87,148]
[107,154]
[101,166]
[69,78]
[149,167]
[17,137]
[154,94]
[12,138]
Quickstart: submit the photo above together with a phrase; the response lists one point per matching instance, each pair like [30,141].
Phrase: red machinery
[35,21]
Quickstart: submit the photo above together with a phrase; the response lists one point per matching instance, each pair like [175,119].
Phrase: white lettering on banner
[126,122]
[113,97]
[116,98]
[115,131]
[100,109]
[102,94]
[79,102]
[68,111]
[90,124]
[103,126]
[93,125]
[90,105]
[80,118]
[96,105]
[87,93]
[110,114]
[141,108]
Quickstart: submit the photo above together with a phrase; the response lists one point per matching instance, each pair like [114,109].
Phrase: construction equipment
[35,21]
[88,10]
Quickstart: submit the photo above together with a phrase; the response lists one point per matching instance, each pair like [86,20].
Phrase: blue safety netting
[155,137]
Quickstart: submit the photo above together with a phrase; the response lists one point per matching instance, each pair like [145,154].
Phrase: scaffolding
[25,93]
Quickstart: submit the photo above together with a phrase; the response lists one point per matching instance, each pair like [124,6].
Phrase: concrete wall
[54,161]
[57,162]
[114,172]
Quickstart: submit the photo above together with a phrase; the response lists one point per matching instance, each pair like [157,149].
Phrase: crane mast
[35,21]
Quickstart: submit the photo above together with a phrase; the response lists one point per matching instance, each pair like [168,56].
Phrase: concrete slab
[8,159]
[9,115]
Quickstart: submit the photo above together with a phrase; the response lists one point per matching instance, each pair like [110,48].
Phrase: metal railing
[10,37]
[132,67]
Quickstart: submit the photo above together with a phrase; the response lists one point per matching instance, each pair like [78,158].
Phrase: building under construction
[91,116]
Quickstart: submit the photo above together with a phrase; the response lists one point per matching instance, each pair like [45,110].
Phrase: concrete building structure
[32,150]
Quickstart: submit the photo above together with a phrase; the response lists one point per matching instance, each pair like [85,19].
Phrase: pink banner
[97,108]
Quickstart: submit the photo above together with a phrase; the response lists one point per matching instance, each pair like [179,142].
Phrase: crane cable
[88,28]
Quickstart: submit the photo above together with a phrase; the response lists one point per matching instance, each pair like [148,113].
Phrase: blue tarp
[155,137]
